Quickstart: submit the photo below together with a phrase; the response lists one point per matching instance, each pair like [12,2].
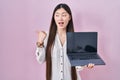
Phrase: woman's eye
[57,15]
[64,15]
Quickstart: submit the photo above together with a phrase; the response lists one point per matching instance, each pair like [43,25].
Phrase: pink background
[19,19]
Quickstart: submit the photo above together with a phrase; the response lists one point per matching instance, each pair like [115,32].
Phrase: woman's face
[61,18]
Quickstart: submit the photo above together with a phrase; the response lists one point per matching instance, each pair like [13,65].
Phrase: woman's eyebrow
[57,13]
[62,13]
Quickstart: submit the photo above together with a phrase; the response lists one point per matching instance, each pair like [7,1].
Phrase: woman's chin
[61,27]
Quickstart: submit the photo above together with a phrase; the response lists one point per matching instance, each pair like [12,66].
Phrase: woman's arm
[89,66]
[41,47]
[79,68]
[40,54]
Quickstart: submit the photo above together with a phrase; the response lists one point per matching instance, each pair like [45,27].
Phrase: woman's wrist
[40,44]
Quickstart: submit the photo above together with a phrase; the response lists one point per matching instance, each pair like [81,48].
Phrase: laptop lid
[81,42]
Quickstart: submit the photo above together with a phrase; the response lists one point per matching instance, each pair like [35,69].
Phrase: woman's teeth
[61,22]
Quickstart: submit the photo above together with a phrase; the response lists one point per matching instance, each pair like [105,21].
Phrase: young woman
[52,47]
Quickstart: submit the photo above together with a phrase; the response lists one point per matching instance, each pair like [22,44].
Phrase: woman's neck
[61,32]
[62,36]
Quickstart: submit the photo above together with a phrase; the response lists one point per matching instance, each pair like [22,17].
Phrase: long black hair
[51,38]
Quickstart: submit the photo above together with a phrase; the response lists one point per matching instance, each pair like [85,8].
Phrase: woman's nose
[61,18]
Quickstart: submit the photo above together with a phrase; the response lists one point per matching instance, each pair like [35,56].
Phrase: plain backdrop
[19,19]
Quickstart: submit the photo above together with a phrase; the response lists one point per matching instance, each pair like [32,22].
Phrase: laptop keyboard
[84,57]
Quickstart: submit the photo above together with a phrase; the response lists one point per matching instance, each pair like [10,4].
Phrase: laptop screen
[81,42]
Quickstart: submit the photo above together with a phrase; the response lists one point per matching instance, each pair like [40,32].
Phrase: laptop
[82,48]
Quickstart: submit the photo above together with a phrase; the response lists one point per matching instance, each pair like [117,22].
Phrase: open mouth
[60,23]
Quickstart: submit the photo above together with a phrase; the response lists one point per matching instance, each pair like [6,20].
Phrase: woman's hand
[89,66]
[41,36]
